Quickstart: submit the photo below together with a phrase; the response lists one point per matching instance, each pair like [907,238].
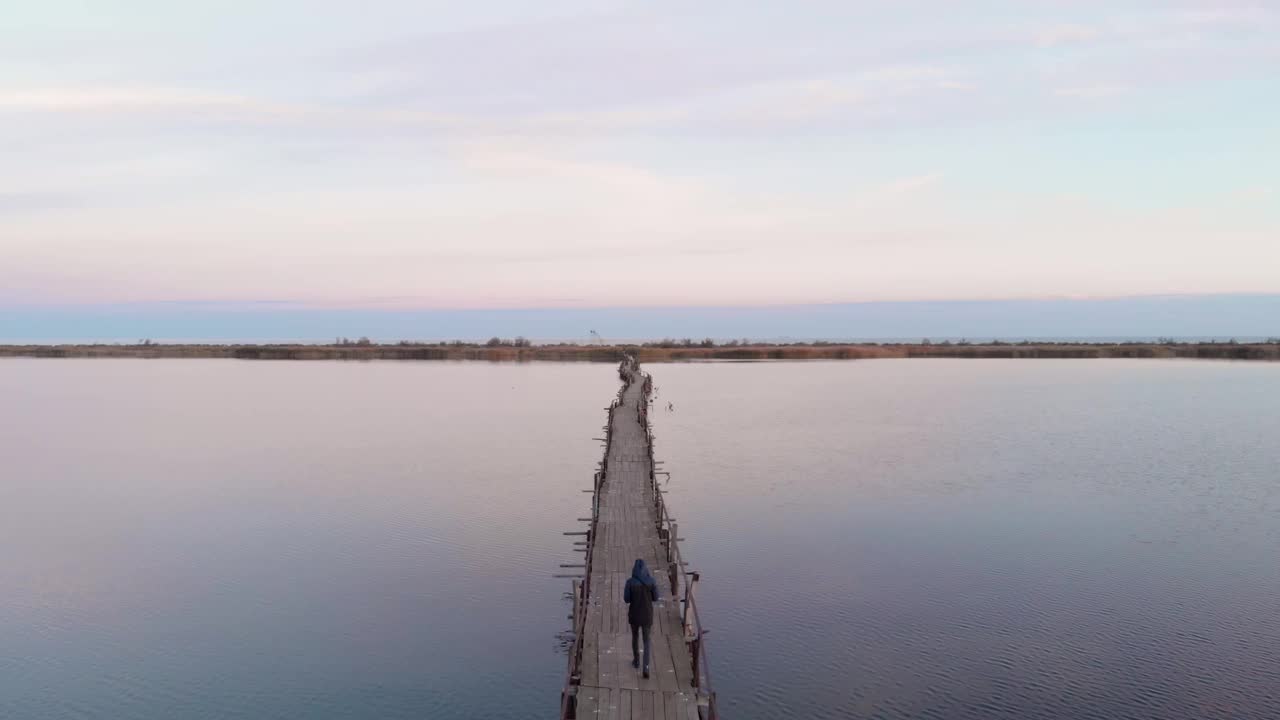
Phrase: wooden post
[577,597]
[688,600]
[696,650]
[569,701]
[658,510]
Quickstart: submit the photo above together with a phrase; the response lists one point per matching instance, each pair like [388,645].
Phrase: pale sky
[496,154]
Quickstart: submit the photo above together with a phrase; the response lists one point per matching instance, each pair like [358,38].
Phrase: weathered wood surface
[626,529]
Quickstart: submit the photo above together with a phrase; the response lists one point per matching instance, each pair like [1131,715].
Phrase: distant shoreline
[657,352]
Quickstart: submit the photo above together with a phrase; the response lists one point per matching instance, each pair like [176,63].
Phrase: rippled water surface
[968,539]
[247,540]
[879,539]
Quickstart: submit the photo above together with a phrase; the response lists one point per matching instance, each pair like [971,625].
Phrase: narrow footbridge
[629,520]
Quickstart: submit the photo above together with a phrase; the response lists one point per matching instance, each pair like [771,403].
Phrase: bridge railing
[582,586]
[678,574]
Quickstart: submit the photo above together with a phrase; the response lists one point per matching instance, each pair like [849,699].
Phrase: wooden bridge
[629,520]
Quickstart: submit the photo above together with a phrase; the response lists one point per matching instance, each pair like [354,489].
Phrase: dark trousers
[636,630]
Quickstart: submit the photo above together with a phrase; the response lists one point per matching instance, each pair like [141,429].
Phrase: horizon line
[306,305]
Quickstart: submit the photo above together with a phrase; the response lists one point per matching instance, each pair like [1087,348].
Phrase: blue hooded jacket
[640,593]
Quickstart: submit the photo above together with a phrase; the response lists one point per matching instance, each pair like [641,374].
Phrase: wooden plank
[619,607]
[670,707]
[590,666]
[622,661]
[630,677]
[607,706]
[610,602]
[659,706]
[624,705]
[603,592]
[642,705]
[686,705]
[608,668]
[588,702]
[681,662]
[661,624]
[663,670]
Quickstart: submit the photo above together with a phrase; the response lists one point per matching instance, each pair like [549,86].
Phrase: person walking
[640,592]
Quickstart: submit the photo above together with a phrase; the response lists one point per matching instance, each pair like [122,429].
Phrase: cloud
[528,159]
[180,106]
[870,207]
[1091,92]
[1257,192]
[911,184]
[846,99]
[723,150]
[631,70]
[122,99]
[23,201]
[630,235]
[560,122]
[1066,34]
[1224,15]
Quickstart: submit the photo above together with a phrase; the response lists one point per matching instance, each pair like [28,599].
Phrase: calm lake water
[879,539]
[976,539]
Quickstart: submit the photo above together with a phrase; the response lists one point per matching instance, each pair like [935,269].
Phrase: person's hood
[640,572]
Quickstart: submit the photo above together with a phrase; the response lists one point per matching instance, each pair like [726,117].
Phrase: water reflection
[959,539]
[889,539]
[220,539]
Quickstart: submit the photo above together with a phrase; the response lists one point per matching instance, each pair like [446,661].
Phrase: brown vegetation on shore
[668,351]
